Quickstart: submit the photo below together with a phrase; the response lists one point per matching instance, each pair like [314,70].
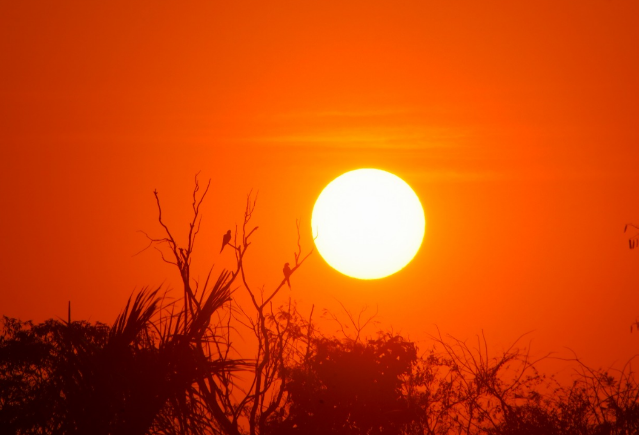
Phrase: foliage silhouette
[171,368]
[223,403]
[349,387]
[81,378]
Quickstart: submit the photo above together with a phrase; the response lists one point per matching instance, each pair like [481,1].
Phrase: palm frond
[135,318]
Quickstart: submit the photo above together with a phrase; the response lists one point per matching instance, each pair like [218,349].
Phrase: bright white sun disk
[368,223]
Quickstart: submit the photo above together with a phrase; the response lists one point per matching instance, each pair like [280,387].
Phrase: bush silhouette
[350,387]
[171,368]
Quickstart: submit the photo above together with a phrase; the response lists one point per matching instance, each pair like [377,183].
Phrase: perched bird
[225,240]
[287,274]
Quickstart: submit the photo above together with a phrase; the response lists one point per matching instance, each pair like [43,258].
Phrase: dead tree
[281,337]
[474,392]
[219,400]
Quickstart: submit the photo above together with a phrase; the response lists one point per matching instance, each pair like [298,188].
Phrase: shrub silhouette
[91,379]
[350,387]
[171,368]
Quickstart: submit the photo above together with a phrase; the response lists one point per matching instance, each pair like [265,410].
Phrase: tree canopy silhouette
[349,387]
[170,367]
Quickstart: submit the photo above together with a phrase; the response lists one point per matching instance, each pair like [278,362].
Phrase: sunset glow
[514,123]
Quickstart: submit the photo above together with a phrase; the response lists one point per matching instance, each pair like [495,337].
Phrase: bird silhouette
[225,240]
[287,274]
[633,242]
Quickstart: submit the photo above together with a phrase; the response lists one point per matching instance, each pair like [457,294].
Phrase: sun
[368,223]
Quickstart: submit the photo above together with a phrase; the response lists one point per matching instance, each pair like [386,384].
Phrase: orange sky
[515,123]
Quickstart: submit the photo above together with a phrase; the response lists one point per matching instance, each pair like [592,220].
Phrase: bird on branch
[225,240]
[287,273]
[633,242]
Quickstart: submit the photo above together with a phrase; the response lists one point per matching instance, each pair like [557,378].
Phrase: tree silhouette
[349,387]
[39,388]
[172,368]
[230,402]
[158,369]
[61,377]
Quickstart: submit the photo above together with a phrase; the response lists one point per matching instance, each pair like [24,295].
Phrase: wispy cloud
[357,129]
[405,138]
[408,139]
[433,175]
[366,113]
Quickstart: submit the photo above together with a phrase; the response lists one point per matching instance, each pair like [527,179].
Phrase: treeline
[170,366]
[130,378]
